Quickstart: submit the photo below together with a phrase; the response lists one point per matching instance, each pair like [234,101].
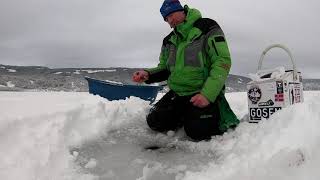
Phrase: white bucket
[273,89]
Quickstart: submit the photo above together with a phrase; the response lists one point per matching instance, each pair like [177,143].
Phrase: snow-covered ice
[10,84]
[96,71]
[12,70]
[60,135]
[77,72]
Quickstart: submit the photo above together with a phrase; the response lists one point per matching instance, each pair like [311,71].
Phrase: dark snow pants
[173,112]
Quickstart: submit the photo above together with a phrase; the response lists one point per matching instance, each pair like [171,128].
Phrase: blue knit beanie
[170,6]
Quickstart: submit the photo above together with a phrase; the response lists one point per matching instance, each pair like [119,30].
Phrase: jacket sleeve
[219,63]
[160,73]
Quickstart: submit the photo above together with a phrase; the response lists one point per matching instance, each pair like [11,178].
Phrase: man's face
[175,18]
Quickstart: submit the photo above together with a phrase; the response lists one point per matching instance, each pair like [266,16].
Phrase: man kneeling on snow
[195,61]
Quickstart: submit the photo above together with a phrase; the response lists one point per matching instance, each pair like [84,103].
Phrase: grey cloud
[94,33]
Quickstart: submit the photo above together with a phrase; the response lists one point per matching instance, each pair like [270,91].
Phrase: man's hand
[200,101]
[140,76]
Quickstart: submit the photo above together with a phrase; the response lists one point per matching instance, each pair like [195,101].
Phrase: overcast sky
[119,33]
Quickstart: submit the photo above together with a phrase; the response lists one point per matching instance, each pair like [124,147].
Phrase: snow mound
[282,147]
[81,136]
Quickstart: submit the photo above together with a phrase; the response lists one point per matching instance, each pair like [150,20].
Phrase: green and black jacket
[195,58]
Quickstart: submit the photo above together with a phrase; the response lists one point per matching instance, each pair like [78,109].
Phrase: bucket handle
[295,76]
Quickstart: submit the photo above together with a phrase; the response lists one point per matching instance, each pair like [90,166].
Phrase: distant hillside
[37,78]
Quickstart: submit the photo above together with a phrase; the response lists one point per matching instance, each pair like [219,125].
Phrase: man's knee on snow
[163,119]
[196,135]
[153,122]
[201,129]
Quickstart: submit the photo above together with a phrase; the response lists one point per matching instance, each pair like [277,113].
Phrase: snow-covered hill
[36,78]
[69,136]
[33,78]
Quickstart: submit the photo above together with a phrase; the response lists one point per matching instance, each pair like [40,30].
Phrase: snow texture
[95,71]
[69,136]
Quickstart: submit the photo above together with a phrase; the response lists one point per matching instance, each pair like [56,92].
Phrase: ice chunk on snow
[91,164]
[170,133]
[75,154]
[77,72]
[12,70]
[149,171]
[10,84]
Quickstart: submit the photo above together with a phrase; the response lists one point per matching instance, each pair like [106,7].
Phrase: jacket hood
[192,16]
